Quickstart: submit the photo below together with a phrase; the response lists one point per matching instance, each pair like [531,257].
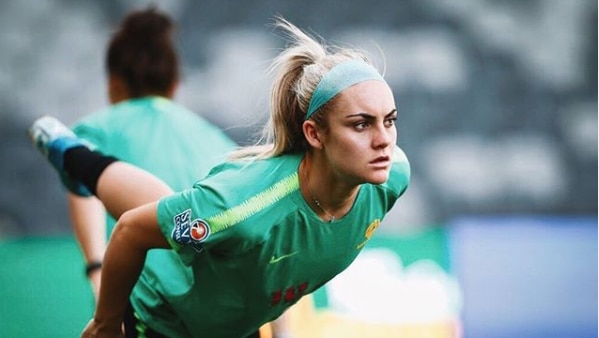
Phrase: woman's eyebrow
[370,116]
[393,111]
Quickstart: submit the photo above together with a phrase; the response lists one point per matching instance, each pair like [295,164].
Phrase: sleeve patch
[190,232]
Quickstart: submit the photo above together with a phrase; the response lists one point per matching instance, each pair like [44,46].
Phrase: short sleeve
[180,223]
[186,220]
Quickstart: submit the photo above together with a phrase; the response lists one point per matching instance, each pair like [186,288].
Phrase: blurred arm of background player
[88,218]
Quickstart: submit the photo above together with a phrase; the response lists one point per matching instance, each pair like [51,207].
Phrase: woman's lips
[381,161]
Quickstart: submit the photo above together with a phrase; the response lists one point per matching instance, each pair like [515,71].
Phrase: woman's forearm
[88,219]
[122,266]
[135,233]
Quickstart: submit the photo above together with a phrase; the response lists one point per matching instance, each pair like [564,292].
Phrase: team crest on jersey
[368,233]
[190,232]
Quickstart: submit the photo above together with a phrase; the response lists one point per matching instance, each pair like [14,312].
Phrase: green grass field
[43,292]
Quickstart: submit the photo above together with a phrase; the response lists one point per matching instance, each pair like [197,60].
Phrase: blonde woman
[274,223]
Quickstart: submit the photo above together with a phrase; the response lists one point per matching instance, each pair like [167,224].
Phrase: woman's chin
[379,178]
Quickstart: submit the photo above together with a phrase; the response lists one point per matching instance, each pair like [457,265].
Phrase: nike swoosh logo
[274,259]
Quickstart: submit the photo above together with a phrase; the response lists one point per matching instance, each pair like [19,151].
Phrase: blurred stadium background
[497,235]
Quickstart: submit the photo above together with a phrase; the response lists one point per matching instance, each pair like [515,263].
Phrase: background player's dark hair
[141,52]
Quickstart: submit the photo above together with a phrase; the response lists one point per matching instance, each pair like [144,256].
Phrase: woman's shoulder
[254,167]
[399,177]
[108,116]
[400,160]
[239,185]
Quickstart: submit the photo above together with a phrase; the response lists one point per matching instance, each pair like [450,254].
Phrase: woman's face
[361,138]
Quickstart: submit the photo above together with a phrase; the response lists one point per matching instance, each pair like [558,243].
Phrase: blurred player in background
[143,126]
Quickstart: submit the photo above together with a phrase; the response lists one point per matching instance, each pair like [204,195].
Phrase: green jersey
[158,135]
[253,247]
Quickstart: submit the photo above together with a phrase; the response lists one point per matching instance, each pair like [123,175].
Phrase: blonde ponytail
[297,72]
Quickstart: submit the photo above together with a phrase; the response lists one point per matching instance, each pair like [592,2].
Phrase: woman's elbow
[135,228]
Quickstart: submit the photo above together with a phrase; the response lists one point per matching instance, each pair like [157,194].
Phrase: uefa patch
[186,231]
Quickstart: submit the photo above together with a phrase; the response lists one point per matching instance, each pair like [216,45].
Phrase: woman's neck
[329,197]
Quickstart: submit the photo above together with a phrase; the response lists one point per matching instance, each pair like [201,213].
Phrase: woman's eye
[390,122]
[361,125]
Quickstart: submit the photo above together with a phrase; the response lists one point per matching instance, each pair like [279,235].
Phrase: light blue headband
[340,77]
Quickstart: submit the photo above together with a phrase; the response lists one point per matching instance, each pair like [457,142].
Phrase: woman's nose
[384,136]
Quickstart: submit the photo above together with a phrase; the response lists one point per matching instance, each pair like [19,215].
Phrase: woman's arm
[136,232]
[88,218]
[122,187]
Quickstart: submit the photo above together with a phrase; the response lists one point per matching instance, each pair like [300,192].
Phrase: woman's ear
[312,134]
